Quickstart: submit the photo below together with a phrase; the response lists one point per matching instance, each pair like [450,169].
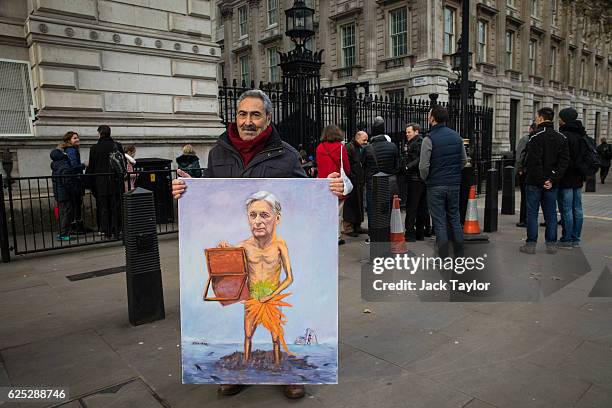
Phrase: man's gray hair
[268,198]
[257,93]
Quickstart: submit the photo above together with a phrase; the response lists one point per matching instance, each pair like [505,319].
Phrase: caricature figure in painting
[266,256]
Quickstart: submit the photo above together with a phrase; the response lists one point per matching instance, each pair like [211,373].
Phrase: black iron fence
[31,219]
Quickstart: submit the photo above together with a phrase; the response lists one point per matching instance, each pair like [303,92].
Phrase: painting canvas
[259,281]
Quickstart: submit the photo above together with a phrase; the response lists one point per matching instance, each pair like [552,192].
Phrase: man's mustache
[249,128]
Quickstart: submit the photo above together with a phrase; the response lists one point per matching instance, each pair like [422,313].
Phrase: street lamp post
[301,76]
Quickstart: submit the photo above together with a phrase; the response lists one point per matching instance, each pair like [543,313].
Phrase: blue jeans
[548,199]
[571,214]
[444,208]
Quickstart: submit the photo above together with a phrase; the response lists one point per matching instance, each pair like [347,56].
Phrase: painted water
[199,362]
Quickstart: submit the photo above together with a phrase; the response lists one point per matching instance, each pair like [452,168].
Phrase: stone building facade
[527,53]
[147,68]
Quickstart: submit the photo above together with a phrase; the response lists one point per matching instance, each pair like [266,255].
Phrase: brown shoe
[229,389]
[294,391]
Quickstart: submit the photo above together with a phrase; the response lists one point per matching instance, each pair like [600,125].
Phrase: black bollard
[590,185]
[380,225]
[508,191]
[142,266]
[4,238]
[490,214]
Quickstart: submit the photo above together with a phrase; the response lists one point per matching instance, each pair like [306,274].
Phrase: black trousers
[66,216]
[603,173]
[109,214]
[416,210]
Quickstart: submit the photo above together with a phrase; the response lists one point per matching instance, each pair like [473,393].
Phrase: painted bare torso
[264,264]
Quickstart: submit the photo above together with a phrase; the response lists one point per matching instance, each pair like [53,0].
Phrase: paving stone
[476,403]
[82,362]
[133,394]
[590,362]
[596,397]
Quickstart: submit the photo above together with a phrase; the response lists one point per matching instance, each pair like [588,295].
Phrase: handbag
[393,186]
[348,185]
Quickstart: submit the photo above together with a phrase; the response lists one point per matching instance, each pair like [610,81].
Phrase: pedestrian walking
[520,172]
[252,148]
[107,168]
[189,162]
[546,160]
[570,186]
[330,154]
[353,207]
[379,156]
[416,203]
[70,145]
[130,161]
[442,159]
[604,150]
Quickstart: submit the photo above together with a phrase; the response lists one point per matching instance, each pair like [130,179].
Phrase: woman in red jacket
[328,161]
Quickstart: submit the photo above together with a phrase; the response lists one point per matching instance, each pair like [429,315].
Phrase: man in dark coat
[252,148]
[380,155]
[353,206]
[416,203]
[570,186]
[106,187]
[442,159]
[520,172]
[546,160]
[604,151]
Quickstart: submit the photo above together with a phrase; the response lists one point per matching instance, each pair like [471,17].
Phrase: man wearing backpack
[570,186]
[546,160]
[604,150]
[106,169]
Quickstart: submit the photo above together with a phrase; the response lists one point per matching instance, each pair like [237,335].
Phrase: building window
[553,64]
[535,8]
[487,100]
[536,107]
[582,73]
[16,101]
[348,45]
[272,12]
[245,70]
[509,50]
[571,72]
[511,3]
[554,12]
[596,78]
[396,95]
[533,47]
[398,32]
[273,61]
[449,30]
[243,21]
[483,28]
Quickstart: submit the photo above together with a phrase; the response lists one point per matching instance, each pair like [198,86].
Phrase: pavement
[556,352]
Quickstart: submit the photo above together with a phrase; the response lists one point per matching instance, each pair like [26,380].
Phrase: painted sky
[214,209]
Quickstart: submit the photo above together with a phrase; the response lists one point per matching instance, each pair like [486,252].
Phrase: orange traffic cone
[398,242]
[471,228]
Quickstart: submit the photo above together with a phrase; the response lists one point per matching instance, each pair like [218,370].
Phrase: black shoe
[521,225]
[409,238]
[229,389]
[341,241]
[542,224]
[420,238]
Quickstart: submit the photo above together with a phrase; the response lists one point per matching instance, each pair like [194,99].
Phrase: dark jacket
[64,179]
[74,156]
[190,163]
[98,164]
[277,160]
[442,157]
[355,156]
[604,150]
[387,157]
[574,132]
[410,161]
[547,156]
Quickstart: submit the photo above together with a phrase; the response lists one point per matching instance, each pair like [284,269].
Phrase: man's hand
[336,185]
[178,186]
[223,244]
[547,184]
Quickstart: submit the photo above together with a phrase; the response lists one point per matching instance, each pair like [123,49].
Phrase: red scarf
[248,148]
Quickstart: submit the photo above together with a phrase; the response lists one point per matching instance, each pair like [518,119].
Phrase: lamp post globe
[300,23]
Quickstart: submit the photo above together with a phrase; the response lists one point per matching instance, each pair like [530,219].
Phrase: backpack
[587,163]
[193,169]
[116,161]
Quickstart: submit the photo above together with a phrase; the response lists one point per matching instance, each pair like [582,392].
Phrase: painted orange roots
[270,316]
